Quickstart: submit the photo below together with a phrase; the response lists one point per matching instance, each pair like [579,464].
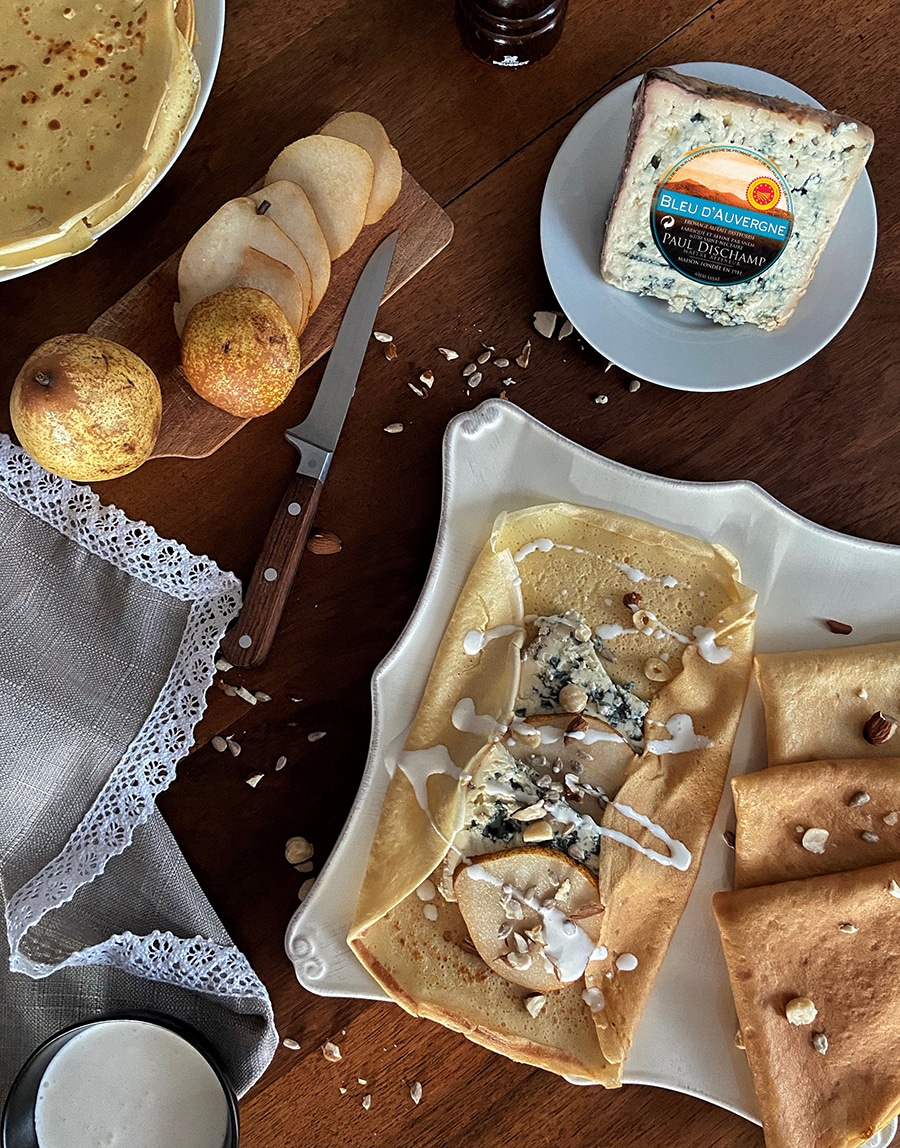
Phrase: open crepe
[94,99]
[835,941]
[614,729]
[817,702]
[855,802]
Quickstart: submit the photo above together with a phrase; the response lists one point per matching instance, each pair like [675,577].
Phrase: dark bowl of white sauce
[127,1080]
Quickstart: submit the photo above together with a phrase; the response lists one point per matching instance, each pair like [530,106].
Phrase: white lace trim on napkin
[128,798]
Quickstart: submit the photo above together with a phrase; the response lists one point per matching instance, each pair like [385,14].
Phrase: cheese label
[721,215]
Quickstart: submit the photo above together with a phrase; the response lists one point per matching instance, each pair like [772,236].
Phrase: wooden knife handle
[249,640]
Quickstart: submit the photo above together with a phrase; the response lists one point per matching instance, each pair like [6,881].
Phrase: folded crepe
[546,819]
[818,702]
[831,1080]
[94,99]
[815,817]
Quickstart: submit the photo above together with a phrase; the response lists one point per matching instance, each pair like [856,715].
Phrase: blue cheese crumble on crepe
[567,791]
[566,652]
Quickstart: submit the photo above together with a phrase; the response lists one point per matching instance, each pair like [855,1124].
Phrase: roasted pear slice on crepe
[532,914]
[607,743]
[820,703]
[813,968]
[815,817]
[94,102]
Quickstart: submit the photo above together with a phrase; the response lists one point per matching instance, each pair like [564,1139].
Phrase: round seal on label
[721,214]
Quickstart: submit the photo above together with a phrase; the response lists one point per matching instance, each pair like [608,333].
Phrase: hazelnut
[656,670]
[813,840]
[880,728]
[800,1011]
[573,698]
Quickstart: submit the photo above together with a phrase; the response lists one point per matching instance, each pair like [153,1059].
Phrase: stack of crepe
[94,100]
[546,819]
[816,911]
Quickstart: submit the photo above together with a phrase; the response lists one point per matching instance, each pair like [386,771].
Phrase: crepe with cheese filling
[579,712]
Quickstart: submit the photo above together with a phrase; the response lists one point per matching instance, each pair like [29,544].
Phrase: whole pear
[239,352]
[86,408]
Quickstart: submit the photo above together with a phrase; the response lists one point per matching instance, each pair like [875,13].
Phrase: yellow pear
[86,408]
[239,352]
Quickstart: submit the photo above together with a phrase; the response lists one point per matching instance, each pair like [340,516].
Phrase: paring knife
[248,641]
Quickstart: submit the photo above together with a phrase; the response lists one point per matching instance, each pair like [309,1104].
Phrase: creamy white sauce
[130,1084]
[553,734]
[544,545]
[467,720]
[631,572]
[626,962]
[679,856]
[417,765]
[683,737]
[594,999]
[426,891]
[475,640]
[707,648]
[612,630]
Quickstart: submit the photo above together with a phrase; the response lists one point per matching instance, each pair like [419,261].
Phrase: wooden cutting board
[142,320]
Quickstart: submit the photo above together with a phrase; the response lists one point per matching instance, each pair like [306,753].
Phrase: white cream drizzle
[679,856]
[631,572]
[682,739]
[594,999]
[475,640]
[609,631]
[467,720]
[552,735]
[707,648]
[626,962]
[566,945]
[417,765]
[545,545]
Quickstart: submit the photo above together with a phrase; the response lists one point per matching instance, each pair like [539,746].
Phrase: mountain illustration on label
[721,215]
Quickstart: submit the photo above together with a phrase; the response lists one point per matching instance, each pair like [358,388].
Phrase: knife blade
[249,640]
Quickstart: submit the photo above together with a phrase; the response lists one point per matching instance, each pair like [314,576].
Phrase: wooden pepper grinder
[510,33]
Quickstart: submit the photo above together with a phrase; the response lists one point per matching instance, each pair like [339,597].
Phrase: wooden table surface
[481,141]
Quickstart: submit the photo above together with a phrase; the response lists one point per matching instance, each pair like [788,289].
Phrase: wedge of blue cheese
[509,798]
[814,158]
[565,651]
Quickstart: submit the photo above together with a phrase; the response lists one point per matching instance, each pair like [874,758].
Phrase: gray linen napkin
[108,635]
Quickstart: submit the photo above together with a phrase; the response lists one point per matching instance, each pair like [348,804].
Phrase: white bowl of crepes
[96,103]
[547,816]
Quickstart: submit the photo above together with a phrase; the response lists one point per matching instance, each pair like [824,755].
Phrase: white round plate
[210,24]
[687,352]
